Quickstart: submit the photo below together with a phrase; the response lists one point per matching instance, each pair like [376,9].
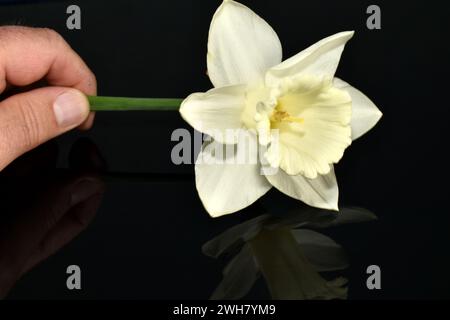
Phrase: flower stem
[100,103]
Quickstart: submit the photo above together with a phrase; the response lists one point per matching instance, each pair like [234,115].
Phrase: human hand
[28,119]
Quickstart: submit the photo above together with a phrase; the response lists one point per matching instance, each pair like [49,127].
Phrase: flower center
[280,116]
[304,122]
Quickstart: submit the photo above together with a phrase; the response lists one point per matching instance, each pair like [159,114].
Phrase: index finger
[30,54]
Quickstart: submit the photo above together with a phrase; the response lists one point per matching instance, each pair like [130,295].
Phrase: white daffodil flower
[314,115]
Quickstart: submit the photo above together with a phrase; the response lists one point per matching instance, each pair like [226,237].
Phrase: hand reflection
[42,209]
[286,253]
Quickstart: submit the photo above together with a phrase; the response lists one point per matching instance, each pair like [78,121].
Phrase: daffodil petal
[365,113]
[241,46]
[288,273]
[228,187]
[321,251]
[216,112]
[321,59]
[239,276]
[321,192]
[352,215]
[227,241]
[319,132]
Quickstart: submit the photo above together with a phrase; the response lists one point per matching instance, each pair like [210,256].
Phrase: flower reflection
[286,253]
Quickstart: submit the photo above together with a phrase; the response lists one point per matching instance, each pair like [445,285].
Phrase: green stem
[99,103]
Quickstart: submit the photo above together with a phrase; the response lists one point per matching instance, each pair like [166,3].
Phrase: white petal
[241,46]
[215,111]
[321,59]
[228,187]
[321,192]
[365,113]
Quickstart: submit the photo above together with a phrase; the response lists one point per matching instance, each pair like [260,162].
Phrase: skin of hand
[30,118]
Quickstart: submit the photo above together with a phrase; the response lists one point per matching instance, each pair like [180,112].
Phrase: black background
[145,241]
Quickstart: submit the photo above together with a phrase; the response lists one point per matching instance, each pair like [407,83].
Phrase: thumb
[31,118]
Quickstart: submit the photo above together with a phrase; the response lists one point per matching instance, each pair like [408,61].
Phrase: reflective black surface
[132,249]
[147,238]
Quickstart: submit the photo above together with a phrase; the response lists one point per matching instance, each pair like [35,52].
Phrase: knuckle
[53,38]
[92,82]
[31,130]
[27,132]
[14,141]
[6,145]
[51,34]
[13,33]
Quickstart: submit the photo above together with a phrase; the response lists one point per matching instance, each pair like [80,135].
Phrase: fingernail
[71,109]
